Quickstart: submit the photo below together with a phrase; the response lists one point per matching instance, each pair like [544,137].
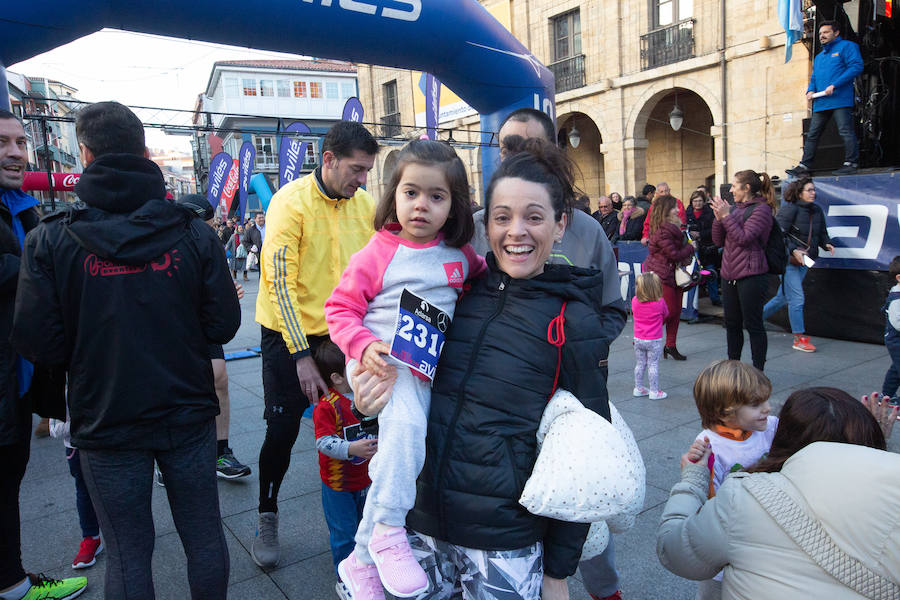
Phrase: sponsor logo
[96,266]
[454,271]
[411,11]
[230,184]
[293,155]
[71,179]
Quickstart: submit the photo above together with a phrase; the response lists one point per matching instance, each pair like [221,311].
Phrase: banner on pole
[219,168]
[291,152]
[246,160]
[353,110]
[432,104]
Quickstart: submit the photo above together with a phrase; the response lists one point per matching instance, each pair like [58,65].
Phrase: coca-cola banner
[231,186]
[291,153]
[219,168]
[36,181]
[246,158]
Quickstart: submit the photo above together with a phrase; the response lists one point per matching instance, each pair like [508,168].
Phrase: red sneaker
[802,343]
[87,553]
[616,596]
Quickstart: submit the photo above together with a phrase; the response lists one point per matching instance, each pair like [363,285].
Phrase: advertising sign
[291,152]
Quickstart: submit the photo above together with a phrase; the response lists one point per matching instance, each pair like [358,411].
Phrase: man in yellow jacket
[313,226]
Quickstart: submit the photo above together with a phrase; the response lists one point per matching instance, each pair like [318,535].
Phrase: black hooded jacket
[125,289]
[493,382]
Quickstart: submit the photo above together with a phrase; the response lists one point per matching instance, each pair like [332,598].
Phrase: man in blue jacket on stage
[834,70]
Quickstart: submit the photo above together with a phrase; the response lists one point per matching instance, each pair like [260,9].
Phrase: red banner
[36,181]
[231,185]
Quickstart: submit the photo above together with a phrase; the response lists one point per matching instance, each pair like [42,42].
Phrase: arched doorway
[589,175]
[685,158]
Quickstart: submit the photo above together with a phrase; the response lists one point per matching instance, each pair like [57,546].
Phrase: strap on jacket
[812,538]
[556,335]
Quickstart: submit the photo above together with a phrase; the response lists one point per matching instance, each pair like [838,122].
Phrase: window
[666,12]
[299,89]
[348,90]
[284,88]
[232,89]
[310,154]
[315,89]
[265,151]
[331,90]
[249,86]
[390,122]
[266,87]
[390,97]
[566,35]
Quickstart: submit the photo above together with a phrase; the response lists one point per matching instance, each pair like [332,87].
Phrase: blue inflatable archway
[456,40]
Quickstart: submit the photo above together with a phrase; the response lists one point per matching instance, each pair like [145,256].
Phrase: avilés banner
[246,160]
[219,169]
[291,153]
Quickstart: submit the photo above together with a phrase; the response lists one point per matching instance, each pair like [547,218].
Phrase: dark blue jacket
[837,64]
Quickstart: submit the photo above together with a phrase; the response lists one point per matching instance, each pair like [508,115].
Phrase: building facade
[244,101]
[621,69]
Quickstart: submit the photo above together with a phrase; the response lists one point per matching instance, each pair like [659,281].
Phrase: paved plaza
[664,429]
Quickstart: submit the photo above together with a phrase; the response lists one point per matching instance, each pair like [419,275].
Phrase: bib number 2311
[419,335]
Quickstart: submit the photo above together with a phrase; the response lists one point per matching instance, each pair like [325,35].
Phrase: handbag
[793,259]
[240,252]
[588,469]
[687,276]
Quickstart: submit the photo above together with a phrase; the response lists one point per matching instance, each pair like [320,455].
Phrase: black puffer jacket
[795,218]
[15,413]
[493,382]
[125,289]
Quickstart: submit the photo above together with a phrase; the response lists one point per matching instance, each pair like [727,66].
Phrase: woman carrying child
[420,256]
[816,518]
[648,310]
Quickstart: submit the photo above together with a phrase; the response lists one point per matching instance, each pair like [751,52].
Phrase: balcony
[266,161]
[667,45]
[569,73]
[390,125]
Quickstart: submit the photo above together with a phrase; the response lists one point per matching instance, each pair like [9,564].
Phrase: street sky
[138,69]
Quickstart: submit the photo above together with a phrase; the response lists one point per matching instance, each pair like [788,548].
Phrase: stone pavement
[664,429]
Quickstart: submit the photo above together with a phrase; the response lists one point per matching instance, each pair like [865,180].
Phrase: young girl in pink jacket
[648,310]
[396,298]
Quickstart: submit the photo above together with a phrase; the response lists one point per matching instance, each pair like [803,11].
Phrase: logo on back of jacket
[96,266]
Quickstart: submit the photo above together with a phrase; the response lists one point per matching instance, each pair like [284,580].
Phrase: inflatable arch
[456,40]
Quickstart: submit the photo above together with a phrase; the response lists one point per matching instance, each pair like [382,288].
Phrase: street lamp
[676,117]
[574,137]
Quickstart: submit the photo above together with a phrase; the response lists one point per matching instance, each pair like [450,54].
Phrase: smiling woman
[496,372]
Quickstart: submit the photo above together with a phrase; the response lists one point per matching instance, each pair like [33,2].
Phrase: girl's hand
[554,589]
[830,248]
[371,358]
[239,289]
[698,452]
[720,208]
[884,413]
[371,393]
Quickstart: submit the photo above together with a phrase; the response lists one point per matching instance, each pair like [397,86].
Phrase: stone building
[621,69]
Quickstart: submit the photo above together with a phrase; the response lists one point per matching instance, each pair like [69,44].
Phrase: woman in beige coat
[817,518]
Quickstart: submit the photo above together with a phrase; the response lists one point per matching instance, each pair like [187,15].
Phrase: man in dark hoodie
[125,289]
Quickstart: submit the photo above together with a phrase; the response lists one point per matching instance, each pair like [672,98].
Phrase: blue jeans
[343,512]
[87,518]
[892,377]
[790,293]
[843,118]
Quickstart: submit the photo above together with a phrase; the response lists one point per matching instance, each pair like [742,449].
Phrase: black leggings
[744,300]
[285,404]
[13,460]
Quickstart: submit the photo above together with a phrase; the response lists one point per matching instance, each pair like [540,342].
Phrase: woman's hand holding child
[372,360]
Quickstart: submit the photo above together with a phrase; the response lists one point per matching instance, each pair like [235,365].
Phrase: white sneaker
[640,391]
[341,590]
[658,395]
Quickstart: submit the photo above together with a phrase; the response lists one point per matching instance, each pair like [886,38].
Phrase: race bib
[353,433]
[419,334]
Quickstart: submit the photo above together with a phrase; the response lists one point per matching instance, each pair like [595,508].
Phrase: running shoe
[400,573]
[265,548]
[46,588]
[361,579]
[87,553]
[802,343]
[228,467]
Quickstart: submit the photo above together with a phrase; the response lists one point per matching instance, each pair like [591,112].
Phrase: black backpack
[776,250]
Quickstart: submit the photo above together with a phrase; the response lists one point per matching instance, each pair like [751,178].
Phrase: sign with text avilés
[432,104]
[246,158]
[219,168]
[291,152]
